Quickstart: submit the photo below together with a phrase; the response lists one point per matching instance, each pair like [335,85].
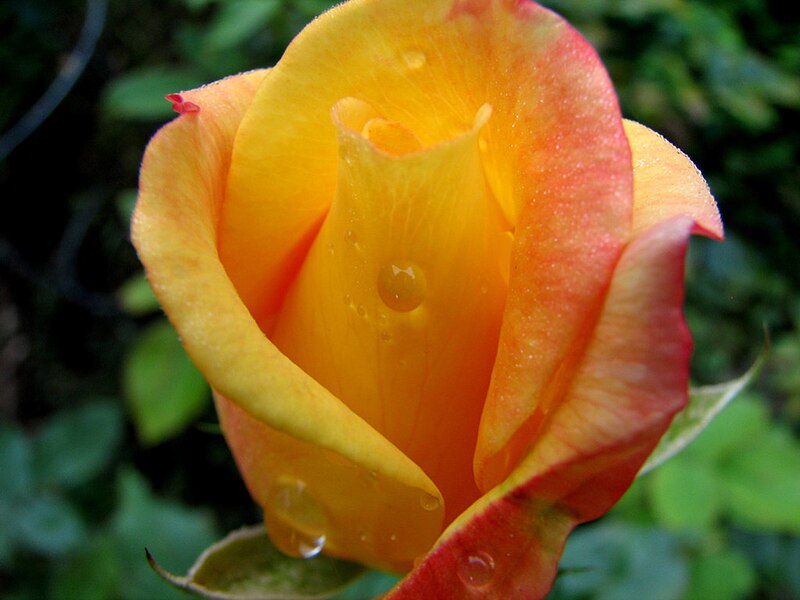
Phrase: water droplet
[294,519]
[351,238]
[429,501]
[402,286]
[362,312]
[347,300]
[414,59]
[330,248]
[476,569]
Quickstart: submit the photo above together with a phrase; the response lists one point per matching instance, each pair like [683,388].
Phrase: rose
[435,282]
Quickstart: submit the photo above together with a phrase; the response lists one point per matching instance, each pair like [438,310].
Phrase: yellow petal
[667,184]
[174,230]
[397,307]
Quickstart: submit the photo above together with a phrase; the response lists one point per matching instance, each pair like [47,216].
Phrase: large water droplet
[429,501]
[295,521]
[402,286]
[414,59]
[476,569]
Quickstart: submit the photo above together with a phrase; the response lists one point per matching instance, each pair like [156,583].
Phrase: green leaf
[705,403]
[238,20]
[245,565]
[76,444]
[165,392]
[761,484]
[136,297]
[723,575]
[613,561]
[49,525]
[175,532]
[92,575]
[685,494]
[140,94]
[15,462]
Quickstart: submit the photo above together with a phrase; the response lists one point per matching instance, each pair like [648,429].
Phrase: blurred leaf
[76,444]
[238,20]
[136,296]
[722,575]
[92,575]
[124,201]
[684,494]
[49,525]
[372,585]
[15,462]
[165,391]
[15,485]
[705,403]
[735,430]
[245,565]
[762,486]
[174,532]
[140,94]
[611,561]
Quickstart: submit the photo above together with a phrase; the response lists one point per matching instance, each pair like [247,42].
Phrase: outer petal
[667,184]
[174,231]
[631,381]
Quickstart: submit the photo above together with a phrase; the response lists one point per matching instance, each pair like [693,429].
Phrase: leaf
[705,403]
[761,483]
[722,575]
[245,565]
[238,20]
[49,525]
[75,445]
[615,561]
[136,297]
[685,494]
[176,532]
[140,94]
[165,391]
[92,575]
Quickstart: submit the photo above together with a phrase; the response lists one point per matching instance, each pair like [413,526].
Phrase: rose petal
[667,184]
[631,381]
[174,231]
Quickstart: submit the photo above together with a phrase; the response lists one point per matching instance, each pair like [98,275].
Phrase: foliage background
[107,438]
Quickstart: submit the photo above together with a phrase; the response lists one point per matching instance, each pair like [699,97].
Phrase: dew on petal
[295,521]
[429,501]
[476,569]
[414,59]
[402,286]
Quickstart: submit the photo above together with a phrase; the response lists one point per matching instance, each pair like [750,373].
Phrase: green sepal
[704,404]
[245,565]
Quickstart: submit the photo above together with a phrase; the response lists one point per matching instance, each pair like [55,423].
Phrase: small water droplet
[330,248]
[385,336]
[294,519]
[476,569]
[429,501]
[414,59]
[402,286]
[351,238]
[347,300]
[362,312]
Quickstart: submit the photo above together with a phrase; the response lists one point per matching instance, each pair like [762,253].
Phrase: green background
[108,442]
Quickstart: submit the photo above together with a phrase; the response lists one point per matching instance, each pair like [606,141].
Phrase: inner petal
[397,307]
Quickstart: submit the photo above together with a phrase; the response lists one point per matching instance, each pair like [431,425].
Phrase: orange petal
[631,381]
[667,184]
[574,218]
[174,230]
